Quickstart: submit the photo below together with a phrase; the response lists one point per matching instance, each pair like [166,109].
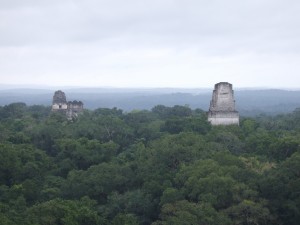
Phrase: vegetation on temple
[167,166]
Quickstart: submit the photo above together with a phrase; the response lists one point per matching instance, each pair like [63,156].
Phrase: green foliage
[281,187]
[176,111]
[164,166]
[65,212]
[14,110]
[188,213]
[83,153]
[98,181]
[250,213]
[20,162]
[145,124]
[125,219]
[217,183]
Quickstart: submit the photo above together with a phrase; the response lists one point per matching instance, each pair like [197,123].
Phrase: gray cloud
[107,40]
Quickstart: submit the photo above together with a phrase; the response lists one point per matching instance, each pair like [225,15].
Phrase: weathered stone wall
[59,97]
[222,99]
[75,105]
[223,118]
[59,101]
[60,104]
[222,106]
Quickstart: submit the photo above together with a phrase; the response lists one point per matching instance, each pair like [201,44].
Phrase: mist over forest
[248,102]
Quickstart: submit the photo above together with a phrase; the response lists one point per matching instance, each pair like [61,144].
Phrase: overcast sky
[150,43]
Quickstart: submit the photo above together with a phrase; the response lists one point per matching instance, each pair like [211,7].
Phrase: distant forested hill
[248,102]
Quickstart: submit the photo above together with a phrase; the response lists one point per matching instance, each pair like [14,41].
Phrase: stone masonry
[59,102]
[222,106]
[70,108]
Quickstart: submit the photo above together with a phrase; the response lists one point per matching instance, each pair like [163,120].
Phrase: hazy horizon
[54,87]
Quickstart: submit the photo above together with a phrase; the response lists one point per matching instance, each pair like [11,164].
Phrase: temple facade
[70,108]
[222,106]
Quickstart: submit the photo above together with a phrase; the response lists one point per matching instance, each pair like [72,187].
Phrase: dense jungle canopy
[165,166]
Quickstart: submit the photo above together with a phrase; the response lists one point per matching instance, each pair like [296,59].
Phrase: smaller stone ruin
[70,108]
[74,107]
[222,106]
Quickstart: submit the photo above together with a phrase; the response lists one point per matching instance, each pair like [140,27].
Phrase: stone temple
[222,106]
[70,108]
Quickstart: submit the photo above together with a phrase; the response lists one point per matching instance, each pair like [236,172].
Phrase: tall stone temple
[222,106]
[70,108]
